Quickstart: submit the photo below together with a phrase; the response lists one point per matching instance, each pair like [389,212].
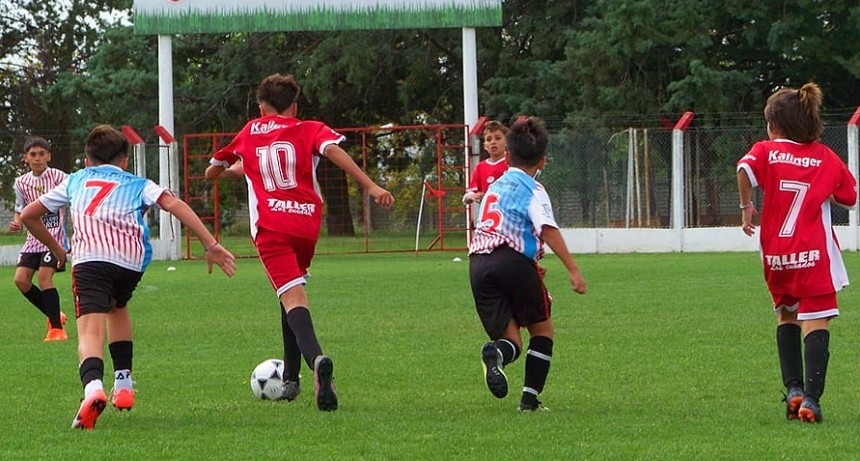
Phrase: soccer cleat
[496,380]
[122,399]
[323,385]
[91,408]
[63,319]
[56,334]
[792,400]
[290,390]
[528,406]
[809,411]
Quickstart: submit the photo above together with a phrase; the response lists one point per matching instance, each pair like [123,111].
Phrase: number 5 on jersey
[491,217]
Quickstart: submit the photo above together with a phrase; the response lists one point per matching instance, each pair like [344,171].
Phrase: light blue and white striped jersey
[107,205]
[513,213]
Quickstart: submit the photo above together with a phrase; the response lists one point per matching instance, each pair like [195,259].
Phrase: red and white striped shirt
[28,188]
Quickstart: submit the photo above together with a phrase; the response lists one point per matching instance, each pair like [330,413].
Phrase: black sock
[91,369]
[790,355]
[538,358]
[121,353]
[299,320]
[292,353]
[51,302]
[34,295]
[509,350]
[817,355]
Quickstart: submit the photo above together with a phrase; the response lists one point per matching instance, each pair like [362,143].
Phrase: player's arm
[846,194]
[235,170]
[15,223]
[215,253]
[343,161]
[553,238]
[747,208]
[31,217]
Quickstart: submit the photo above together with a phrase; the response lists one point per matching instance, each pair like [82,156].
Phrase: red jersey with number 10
[279,155]
[800,252]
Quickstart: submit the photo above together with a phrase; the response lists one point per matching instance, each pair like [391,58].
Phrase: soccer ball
[267,380]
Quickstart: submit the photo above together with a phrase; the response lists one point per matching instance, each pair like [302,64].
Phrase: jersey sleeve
[846,193]
[228,155]
[474,180]
[540,210]
[152,192]
[19,197]
[752,163]
[325,137]
[57,197]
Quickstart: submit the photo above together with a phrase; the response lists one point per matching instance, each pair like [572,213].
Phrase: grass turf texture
[668,356]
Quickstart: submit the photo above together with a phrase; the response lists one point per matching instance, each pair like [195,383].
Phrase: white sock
[92,386]
[122,379]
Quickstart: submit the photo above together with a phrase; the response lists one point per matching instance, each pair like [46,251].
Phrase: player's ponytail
[796,114]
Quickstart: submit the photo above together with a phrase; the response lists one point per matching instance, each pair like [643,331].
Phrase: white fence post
[169,230]
[678,177]
[853,155]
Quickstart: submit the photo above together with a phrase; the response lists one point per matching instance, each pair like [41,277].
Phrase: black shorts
[507,285]
[101,286]
[35,261]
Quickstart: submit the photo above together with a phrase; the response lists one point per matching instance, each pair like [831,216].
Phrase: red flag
[431,192]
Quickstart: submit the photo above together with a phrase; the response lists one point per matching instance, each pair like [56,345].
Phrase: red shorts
[808,308]
[285,258]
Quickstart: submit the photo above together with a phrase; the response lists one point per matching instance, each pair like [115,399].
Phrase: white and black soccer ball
[267,380]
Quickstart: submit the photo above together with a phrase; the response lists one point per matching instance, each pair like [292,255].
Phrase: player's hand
[381,196]
[577,283]
[217,254]
[61,256]
[472,197]
[746,220]
[14,226]
[541,271]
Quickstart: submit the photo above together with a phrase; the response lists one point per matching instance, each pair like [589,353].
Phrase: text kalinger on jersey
[776,156]
[264,128]
[799,260]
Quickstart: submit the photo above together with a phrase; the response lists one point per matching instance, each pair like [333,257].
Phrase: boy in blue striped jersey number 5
[516,219]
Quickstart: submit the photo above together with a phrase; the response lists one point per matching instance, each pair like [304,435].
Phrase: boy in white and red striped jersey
[111,249]
[35,257]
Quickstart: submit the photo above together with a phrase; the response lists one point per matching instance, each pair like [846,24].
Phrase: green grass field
[668,357]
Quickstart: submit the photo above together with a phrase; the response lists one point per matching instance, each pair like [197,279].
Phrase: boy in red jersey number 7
[279,154]
[803,268]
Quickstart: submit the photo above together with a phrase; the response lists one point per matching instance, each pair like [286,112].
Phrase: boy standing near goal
[803,268]
[111,251]
[35,256]
[279,155]
[515,220]
[492,168]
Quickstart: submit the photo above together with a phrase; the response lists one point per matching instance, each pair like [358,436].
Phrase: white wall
[581,241]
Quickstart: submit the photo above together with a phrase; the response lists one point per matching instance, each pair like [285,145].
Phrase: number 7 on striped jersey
[105,188]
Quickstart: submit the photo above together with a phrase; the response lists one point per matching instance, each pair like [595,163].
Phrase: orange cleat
[56,334]
[122,399]
[63,319]
[91,408]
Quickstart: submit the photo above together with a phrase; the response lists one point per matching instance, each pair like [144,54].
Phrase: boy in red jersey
[35,256]
[491,169]
[803,268]
[279,155]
